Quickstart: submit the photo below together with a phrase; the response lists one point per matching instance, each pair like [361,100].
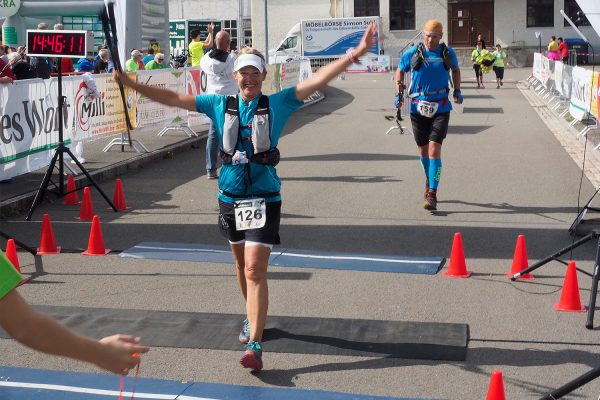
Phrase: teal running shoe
[245,333]
[252,358]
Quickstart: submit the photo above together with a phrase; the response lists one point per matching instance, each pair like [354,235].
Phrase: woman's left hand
[367,40]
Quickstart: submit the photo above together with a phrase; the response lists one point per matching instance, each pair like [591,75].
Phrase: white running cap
[246,60]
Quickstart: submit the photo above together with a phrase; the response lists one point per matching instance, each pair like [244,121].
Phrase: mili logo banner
[332,37]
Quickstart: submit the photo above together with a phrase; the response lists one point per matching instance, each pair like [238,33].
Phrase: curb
[23,202]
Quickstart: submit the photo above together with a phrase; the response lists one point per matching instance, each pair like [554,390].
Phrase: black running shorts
[430,129]
[499,72]
[268,234]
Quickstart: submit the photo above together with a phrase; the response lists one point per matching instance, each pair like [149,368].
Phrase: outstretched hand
[367,40]
[120,353]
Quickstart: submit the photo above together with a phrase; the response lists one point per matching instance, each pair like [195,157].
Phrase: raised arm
[333,69]
[208,43]
[163,96]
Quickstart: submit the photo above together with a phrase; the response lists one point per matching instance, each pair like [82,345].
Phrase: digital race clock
[45,43]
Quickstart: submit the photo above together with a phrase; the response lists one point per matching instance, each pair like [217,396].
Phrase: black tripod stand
[594,289]
[59,158]
[579,219]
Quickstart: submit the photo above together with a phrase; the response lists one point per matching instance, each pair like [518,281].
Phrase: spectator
[563,50]
[157,63]
[4,53]
[218,65]
[86,64]
[101,66]
[133,64]
[480,39]
[66,62]
[6,74]
[41,65]
[20,67]
[196,47]
[553,49]
[149,56]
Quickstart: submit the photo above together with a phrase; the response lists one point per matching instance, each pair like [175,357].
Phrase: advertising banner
[537,66]
[596,95]
[580,93]
[177,40]
[563,77]
[332,37]
[152,113]
[547,73]
[103,115]
[195,83]
[30,124]
[371,64]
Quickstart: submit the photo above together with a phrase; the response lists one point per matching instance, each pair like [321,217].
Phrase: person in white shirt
[217,64]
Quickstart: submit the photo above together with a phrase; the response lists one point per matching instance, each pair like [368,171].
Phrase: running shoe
[245,333]
[501,83]
[483,87]
[252,358]
[211,174]
[430,200]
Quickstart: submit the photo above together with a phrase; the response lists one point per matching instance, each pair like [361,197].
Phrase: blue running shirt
[263,178]
[432,76]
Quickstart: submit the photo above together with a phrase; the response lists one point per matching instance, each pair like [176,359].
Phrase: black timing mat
[283,334]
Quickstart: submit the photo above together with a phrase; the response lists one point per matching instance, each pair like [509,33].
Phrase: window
[289,43]
[574,12]
[89,23]
[540,13]
[230,26]
[402,15]
[366,8]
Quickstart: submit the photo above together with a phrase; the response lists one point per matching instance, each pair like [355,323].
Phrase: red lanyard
[135,379]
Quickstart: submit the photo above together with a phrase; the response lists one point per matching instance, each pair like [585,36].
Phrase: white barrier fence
[575,88]
[29,128]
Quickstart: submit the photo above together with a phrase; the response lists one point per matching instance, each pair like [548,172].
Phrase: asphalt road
[348,187]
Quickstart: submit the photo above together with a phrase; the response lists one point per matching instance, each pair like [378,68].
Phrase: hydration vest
[260,138]
[418,57]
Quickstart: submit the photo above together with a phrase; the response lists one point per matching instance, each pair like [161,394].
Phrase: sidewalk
[19,194]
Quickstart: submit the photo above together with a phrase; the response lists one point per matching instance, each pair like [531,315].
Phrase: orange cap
[433,25]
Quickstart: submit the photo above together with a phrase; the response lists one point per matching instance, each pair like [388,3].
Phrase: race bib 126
[250,214]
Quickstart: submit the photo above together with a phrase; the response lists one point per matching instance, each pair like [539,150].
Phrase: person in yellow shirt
[499,60]
[553,49]
[196,47]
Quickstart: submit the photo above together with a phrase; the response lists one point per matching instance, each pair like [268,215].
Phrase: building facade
[512,23]
[234,15]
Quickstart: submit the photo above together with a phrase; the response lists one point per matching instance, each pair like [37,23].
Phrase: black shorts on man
[430,129]
[268,234]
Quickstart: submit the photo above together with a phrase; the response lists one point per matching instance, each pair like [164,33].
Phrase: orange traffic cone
[569,297]
[87,208]
[496,389]
[520,260]
[119,197]
[458,266]
[71,198]
[96,243]
[47,242]
[11,254]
